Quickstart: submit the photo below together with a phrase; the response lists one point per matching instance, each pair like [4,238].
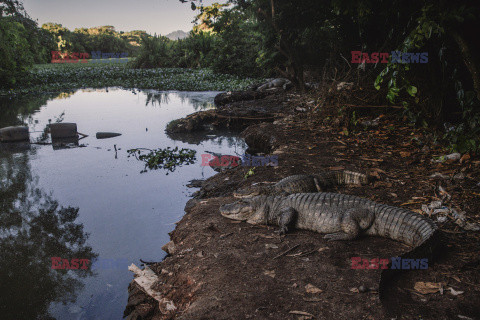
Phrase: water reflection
[34,228]
[219,137]
[195,99]
[155,98]
[126,215]
[19,111]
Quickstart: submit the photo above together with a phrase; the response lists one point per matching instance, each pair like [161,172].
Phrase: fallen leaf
[454,292]
[354,290]
[302,313]
[368,159]
[269,273]
[312,299]
[270,246]
[266,236]
[323,249]
[376,172]
[428,287]
[310,288]
[405,154]
[464,158]
[410,202]
[336,168]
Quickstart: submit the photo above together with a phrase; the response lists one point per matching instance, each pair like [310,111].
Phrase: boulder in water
[14,134]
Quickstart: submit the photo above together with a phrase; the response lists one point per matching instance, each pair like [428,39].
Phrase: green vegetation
[304,41]
[249,173]
[225,40]
[164,158]
[66,76]
[315,38]
[104,38]
[22,43]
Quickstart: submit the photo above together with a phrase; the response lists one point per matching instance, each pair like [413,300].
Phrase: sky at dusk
[153,16]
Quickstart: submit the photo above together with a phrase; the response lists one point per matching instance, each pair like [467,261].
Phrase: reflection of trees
[64,95]
[155,97]
[217,137]
[199,101]
[34,228]
[18,110]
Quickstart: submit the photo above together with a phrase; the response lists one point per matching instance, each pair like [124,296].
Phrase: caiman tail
[408,227]
[349,177]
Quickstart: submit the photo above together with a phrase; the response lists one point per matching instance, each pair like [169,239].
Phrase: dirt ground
[222,269]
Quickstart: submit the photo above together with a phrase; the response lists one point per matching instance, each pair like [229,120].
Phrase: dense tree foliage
[295,38]
[22,42]
[224,39]
[104,38]
[305,41]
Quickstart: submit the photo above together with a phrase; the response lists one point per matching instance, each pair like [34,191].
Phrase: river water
[91,202]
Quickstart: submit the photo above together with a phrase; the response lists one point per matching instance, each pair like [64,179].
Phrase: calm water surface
[91,202]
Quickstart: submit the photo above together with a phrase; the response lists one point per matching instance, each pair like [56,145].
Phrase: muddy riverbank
[221,269]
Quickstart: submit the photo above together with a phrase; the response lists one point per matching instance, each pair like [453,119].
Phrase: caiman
[340,217]
[305,183]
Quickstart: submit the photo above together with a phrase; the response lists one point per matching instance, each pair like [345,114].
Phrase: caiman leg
[286,218]
[354,221]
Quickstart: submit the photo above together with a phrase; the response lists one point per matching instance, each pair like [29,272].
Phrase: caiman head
[247,192]
[242,210]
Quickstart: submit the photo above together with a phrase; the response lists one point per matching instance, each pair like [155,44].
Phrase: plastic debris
[459,176]
[436,208]
[454,292]
[441,219]
[452,156]
[146,278]
[438,175]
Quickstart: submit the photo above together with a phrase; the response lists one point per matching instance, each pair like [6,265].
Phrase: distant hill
[175,35]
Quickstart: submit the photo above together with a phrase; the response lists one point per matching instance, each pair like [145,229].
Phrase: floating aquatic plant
[57,77]
[166,158]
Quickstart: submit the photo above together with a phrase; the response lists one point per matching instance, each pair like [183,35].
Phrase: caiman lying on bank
[340,217]
[305,183]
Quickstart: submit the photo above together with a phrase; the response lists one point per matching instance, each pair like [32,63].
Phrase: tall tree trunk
[294,67]
[469,60]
